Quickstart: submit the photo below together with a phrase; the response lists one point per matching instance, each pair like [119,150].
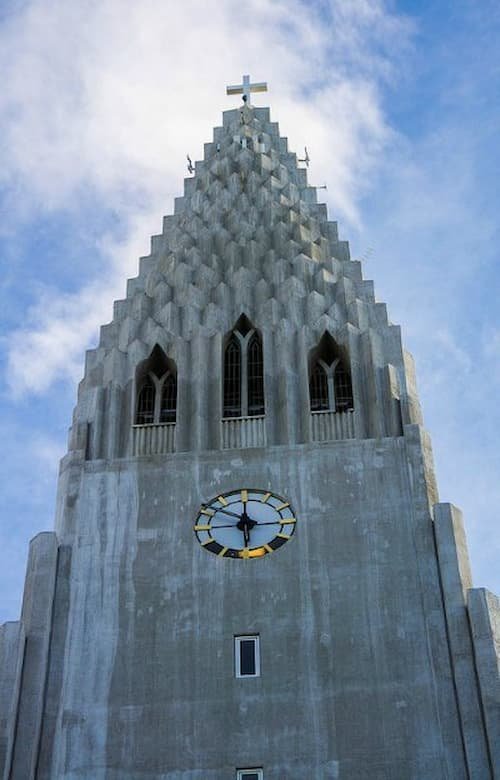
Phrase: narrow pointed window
[255,376]
[330,388]
[168,406]
[318,389]
[146,403]
[156,379]
[154,431]
[243,372]
[232,378]
[343,389]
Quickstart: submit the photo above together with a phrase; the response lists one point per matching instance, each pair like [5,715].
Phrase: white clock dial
[245,523]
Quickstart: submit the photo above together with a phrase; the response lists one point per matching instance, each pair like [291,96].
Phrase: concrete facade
[378,659]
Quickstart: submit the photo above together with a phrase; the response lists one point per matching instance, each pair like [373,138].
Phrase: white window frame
[242,773]
[237,657]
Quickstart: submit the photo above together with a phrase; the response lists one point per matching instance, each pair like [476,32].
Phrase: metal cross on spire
[246,88]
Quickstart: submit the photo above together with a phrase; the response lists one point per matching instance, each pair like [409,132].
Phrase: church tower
[250,577]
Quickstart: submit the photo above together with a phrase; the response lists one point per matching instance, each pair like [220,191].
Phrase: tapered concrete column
[214,400]
[269,346]
[184,393]
[358,396]
[456,579]
[304,406]
[37,621]
[114,420]
[96,431]
[200,393]
[12,642]
[484,620]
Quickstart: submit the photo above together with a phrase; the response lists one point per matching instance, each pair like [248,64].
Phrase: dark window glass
[251,776]
[232,378]
[168,400]
[343,389]
[146,403]
[247,656]
[255,377]
[318,389]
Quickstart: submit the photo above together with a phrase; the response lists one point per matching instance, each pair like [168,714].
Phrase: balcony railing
[243,432]
[329,426]
[153,439]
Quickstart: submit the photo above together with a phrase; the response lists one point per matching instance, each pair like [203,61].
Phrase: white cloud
[107,97]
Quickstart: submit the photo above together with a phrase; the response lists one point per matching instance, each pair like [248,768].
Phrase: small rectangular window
[247,657]
[249,774]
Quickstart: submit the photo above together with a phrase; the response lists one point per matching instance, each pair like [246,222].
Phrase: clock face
[245,523]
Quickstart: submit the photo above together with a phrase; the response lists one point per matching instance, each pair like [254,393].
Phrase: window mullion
[331,392]
[244,341]
[158,385]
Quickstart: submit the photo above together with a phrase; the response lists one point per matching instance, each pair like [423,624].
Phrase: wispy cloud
[108,97]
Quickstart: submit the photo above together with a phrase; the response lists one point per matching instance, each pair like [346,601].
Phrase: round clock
[245,523]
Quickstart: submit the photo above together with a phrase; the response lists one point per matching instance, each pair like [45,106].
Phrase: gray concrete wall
[356,674]
[455,576]
[484,616]
[11,663]
[55,665]
[37,622]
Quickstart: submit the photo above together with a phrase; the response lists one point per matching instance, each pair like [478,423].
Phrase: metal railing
[243,432]
[157,439]
[329,426]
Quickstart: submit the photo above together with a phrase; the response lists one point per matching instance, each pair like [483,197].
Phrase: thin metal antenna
[366,255]
[190,164]
[306,159]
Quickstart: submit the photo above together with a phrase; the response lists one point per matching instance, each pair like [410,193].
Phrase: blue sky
[398,105]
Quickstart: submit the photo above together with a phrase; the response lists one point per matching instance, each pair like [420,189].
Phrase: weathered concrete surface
[455,575]
[356,677]
[11,660]
[36,619]
[484,616]
[55,669]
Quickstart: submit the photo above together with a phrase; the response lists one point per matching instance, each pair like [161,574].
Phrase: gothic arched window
[232,378]
[318,388]
[157,390]
[168,405]
[243,372]
[330,387]
[343,389]
[146,403]
[255,363]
